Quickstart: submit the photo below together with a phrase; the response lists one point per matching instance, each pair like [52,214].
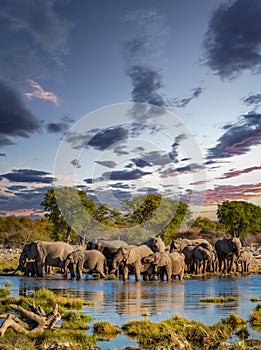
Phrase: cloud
[146,83]
[242,192]
[39,20]
[125,175]
[239,172]
[183,102]
[76,163]
[59,127]
[140,163]
[28,175]
[106,138]
[253,100]
[16,118]
[239,137]
[141,55]
[23,198]
[106,163]
[233,38]
[41,94]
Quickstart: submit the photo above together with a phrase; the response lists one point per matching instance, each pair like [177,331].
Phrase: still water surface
[120,302]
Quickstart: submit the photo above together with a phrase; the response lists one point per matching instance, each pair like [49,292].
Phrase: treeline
[73,217]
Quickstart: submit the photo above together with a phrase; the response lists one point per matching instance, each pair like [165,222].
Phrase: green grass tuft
[4,292]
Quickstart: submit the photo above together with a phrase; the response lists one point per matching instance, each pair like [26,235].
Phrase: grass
[255,318]
[75,320]
[4,292]
[255,299]
[179,332]
[9,265]
[7,283]
[45,298]
[105,327]
[217,300]
[104,330]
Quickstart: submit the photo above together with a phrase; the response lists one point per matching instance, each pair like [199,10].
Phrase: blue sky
[78,81]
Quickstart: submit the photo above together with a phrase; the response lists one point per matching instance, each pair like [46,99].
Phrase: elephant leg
[39,268]
[125,275]
[181,274]
[100,271]
[137,272]
[78,272]
[168,272]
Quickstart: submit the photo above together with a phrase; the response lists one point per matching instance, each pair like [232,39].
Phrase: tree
[239,218]
[204,224]
[157,215]
[70,211]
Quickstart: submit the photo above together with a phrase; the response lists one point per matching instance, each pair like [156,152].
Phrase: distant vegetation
[151,214]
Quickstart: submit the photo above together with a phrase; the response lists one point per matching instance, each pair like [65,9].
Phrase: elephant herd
[151,258]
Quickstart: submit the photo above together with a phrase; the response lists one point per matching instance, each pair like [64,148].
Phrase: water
[120,302]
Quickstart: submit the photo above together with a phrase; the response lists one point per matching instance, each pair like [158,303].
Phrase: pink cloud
[41,94]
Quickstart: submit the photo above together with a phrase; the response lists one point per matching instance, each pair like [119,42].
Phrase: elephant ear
[164,260]
[130,255]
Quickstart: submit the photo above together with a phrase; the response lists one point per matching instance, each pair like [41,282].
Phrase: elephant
[106,247]
[45,253]
[227,250]
[203,256]
[156,244]
[131,258]
[91,260]
[30,269]
[245,259]
[179,244]
[171,264]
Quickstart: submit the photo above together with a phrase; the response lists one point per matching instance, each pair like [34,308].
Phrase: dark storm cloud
[253,100]
[233,38]
[106,163]
[28,175]
[88,181]
[16,188]
[173,154]
[183,102]
[238,138]
[125,175]
[120,185]
[39,20]
[146,84]
[59,127]
[140,163]
[16,119]
[99,139]
[106,138]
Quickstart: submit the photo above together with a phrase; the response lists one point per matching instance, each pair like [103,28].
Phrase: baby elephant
[91,260]
[171,264]
[30,269]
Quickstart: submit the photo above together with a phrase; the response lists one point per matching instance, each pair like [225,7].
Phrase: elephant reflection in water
[134,299]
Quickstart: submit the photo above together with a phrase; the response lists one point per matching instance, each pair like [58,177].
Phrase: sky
[125,98]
